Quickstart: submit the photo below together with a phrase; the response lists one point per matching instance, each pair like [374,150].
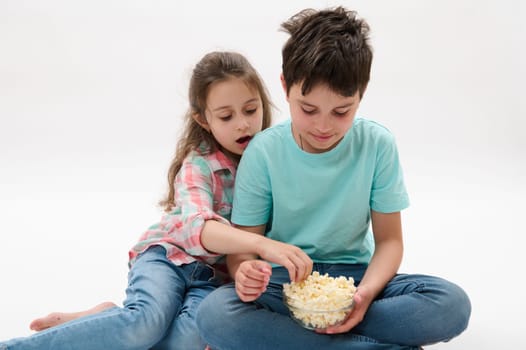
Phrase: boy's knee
[455,306]
[214,309]
[210,304]
[461,303]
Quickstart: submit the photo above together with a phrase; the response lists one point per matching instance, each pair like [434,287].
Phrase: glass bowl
[318,317]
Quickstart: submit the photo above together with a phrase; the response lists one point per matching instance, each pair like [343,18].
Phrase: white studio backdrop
[91,100]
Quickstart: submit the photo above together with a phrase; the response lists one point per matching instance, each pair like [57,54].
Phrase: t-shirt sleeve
[388,193]
[252,204]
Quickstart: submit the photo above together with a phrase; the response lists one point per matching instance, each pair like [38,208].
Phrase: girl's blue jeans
[412,310]
[158,313]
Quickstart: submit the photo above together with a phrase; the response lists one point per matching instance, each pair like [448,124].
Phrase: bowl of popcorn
[320,301]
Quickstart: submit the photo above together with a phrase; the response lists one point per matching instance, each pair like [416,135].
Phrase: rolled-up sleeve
[203,191]
[195,189]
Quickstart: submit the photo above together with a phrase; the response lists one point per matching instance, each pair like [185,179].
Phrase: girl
[171,265]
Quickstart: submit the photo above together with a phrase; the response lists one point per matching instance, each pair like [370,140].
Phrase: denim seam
[420,287]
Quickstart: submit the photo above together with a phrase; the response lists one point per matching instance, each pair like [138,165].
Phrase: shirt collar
[218,160]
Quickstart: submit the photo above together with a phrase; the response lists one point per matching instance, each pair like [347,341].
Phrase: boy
[330,178]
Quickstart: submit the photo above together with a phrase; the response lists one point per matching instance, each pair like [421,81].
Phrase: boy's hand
[251,279]
[297,263]
[362,300]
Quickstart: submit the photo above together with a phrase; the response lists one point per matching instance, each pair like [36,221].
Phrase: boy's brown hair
[330,46]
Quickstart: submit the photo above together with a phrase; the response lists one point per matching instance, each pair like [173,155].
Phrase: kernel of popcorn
[316,297]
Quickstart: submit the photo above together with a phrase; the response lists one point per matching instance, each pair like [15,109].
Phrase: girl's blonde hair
[212,68]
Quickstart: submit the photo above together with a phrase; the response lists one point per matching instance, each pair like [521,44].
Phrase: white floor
[90,97]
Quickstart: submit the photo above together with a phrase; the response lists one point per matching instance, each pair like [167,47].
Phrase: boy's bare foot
[56,318]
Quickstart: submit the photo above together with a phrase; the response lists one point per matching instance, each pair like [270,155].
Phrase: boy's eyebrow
[255,99]
[347,105]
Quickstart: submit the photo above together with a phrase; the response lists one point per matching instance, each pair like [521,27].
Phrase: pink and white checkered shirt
[204,189]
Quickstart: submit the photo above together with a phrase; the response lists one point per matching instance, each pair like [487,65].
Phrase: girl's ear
[284,85]
[201,121]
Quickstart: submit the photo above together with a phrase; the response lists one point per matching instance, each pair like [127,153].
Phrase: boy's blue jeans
[413,310]
[158,313]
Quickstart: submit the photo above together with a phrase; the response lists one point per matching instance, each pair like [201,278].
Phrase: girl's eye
[251,111]
[225,118]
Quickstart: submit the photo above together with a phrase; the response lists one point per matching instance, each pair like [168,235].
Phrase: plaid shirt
[203,191]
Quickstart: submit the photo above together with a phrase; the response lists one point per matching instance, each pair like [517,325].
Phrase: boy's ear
[201,121]
[284,85]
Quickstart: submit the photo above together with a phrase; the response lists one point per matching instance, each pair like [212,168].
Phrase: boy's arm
[387,231]
[252,274]
[234,260]
[389,247]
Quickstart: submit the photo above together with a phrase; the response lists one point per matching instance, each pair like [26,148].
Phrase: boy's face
[320,118]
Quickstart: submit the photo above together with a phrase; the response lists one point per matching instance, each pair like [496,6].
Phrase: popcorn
[320,300]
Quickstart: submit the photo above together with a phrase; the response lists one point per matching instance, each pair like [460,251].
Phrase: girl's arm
[223,239]
[252,275]
[387,257]
[248,243]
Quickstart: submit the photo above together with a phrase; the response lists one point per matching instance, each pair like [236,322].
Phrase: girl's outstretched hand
[297,263]
[362,300]
[252,278]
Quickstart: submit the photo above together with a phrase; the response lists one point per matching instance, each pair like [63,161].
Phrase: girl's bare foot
[56,318]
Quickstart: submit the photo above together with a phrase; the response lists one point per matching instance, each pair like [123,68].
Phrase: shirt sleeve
[388,194]
[252,195]
[194,205]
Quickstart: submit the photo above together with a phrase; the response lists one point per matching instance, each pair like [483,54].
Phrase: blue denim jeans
[158,313]
[412,310]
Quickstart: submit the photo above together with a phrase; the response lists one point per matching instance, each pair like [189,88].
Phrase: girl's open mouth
[244,139]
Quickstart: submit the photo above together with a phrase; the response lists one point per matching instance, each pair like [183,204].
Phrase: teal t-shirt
[320,202]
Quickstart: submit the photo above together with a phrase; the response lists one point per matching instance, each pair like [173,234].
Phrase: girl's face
[234,114]
[321,118]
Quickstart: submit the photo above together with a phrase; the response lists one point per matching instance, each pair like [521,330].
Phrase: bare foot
[56,318]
